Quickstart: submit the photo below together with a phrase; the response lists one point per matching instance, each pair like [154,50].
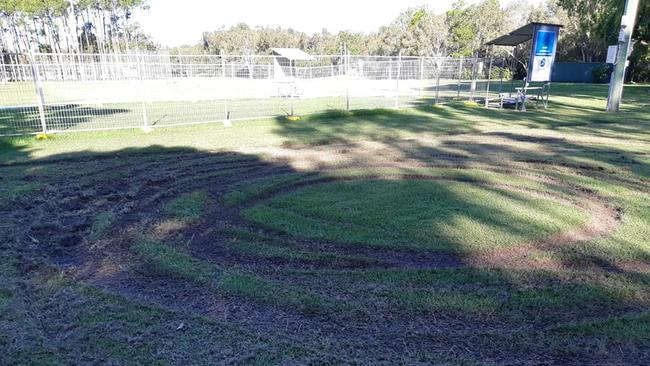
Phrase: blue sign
[542,53]
[545,43]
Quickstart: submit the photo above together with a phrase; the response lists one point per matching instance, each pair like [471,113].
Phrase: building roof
[519,36]
[293,54]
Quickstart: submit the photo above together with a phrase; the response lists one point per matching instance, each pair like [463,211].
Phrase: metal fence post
[145,119]
[347,83]
[347,98]
[460,76]
[226,111]
[421,75]
[487,87]
[223,64]
[40,97]
[226,121]
[475,66]
[399,72]
[3,74]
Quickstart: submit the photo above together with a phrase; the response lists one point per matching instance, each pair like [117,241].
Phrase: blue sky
[177,22]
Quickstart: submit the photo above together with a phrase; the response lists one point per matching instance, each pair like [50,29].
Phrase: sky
[180,22]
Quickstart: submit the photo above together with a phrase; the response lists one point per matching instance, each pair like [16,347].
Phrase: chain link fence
[80,92]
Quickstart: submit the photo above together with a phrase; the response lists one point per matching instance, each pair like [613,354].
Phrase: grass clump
[189,207]
[453,302]
[626,328]
[172,262]
[272,251]
[101,223]
[18,191]
[257,289]
[254,189]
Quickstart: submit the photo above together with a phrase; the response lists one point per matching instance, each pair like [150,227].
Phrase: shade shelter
[540,63]
[284,61]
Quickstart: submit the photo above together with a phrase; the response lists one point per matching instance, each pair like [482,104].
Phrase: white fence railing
[75,92]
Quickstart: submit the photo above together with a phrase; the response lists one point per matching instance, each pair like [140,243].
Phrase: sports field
[446,234]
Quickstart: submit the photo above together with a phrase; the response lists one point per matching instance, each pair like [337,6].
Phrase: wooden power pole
[624,42]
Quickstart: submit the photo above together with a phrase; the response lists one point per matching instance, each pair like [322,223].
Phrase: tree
[470,27]
[70,26]
[415,32]
[595,25]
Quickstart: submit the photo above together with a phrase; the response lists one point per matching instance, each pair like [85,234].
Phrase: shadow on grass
[23,120]
[135,185]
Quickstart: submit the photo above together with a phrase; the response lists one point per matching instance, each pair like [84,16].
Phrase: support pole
[226,121]
[293,88]
[437,87]
[399,75]
[3,74]
[473,83]
[40,97]
[223,64]
[460,75]
[143,93]
[421,75]
[347,79]
[487,87]
[624,40]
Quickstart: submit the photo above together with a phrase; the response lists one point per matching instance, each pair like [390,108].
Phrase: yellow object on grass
[293,118]
[42,136]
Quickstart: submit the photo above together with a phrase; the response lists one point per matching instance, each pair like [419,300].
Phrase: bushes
[500,72]
[602,73]
[495,74]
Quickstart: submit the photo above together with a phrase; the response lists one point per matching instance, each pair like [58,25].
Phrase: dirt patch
[603,218]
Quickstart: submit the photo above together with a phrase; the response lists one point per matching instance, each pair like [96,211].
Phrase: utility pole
[624,42]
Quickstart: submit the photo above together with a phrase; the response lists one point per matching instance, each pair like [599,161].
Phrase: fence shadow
[26,120]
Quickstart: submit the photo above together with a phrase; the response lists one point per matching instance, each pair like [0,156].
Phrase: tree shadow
[58,221]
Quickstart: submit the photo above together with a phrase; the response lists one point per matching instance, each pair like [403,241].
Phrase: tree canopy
[107,26]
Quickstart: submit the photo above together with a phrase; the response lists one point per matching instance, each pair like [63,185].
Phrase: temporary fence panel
[77,92]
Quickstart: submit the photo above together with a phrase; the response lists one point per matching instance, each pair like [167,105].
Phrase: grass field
[433,235]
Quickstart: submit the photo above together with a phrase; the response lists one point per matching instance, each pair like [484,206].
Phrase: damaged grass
[168,261]
[164,269]
[189,206]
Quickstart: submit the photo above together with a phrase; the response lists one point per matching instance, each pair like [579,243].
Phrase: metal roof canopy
[519,36]
[293,54]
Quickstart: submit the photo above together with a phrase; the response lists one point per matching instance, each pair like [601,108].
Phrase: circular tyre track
[60,228]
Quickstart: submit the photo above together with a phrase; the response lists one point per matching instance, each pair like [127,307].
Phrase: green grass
[247,192]
[169,261]
[316,270]
[442,216]
[190,206]
[634,328]
[451,302]
[252,287]
[281,252]
[21,191]
[101,223]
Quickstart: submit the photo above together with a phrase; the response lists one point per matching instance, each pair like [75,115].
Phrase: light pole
[624,41]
